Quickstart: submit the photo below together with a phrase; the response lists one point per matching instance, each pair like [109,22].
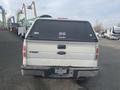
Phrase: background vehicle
[113,33]
[22,31]
[60,49]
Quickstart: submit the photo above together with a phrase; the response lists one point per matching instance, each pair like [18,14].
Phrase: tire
[19,35]
[36,76]
[23,37]
[83,80]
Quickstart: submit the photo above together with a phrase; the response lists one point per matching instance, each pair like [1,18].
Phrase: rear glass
[62,30]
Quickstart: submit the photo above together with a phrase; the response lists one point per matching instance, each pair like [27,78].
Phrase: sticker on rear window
[90,35]
[36,33]
[62,35]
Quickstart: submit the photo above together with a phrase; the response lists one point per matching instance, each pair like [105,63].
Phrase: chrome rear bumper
[49,72]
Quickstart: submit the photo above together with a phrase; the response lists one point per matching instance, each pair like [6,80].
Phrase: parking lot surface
[11,60]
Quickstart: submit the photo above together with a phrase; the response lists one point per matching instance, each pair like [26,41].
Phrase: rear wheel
[23,36]
[36,76]
[83,80]
[19,35]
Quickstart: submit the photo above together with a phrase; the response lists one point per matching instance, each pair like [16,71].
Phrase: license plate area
[61,71]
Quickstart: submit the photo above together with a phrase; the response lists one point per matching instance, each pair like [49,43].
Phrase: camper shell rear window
[62,30]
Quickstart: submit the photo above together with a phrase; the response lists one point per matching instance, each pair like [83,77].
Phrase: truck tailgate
[61,53]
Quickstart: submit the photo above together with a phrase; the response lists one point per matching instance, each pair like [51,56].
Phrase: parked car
[60,49]
[113,38]
[113,33]
[22,31]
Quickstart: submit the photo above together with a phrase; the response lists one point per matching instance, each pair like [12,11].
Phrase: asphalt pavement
[11,60]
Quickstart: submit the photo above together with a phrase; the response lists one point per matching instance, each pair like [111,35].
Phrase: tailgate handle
[61,53]
[61,47]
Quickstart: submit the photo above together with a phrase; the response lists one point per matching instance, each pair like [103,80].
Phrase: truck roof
[62,19]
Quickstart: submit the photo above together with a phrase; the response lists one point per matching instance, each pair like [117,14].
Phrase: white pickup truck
[60,49]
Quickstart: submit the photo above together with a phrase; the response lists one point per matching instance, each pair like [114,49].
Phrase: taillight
[97,54]
[24,50]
